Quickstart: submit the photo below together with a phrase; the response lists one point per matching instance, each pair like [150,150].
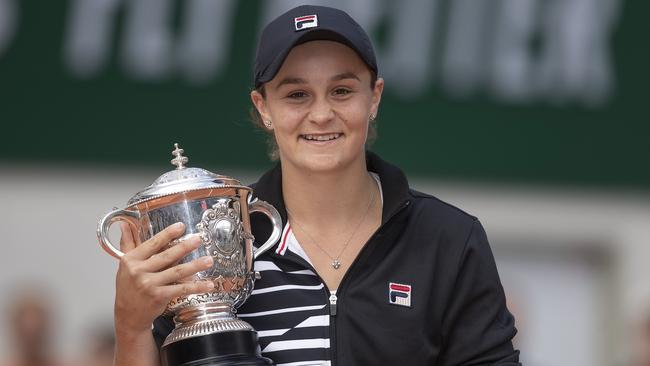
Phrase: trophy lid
[182,179]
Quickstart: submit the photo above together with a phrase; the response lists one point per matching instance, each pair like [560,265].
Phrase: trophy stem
[203,312]
[205,319]
[237,348]
[211,335]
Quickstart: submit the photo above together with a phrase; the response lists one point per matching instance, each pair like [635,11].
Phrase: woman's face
[319,103]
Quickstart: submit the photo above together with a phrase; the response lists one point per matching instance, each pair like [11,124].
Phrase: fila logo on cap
[399,294]
[305,22]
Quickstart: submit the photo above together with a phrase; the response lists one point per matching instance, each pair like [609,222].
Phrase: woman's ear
[260,104]
[376,96]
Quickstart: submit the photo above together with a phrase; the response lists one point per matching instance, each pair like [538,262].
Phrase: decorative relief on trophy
[214,207]
[222,231]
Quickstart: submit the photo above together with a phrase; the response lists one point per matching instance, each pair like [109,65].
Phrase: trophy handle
[132,217]
[265,208]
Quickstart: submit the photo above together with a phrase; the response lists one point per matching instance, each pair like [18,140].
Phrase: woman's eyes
[297,95]
[337,92]
[341,91]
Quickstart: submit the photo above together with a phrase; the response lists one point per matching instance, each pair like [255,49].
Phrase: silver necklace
[336,262]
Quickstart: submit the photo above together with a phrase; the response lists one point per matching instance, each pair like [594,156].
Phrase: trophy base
[236,348]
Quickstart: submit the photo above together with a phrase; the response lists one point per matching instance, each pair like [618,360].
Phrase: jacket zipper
[333,297]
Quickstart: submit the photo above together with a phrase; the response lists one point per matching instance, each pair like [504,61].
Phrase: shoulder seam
[418,194]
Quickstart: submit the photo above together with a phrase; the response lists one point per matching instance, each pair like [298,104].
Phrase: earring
[372,117]
[268,123]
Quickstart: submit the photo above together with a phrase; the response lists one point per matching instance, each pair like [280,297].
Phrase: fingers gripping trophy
[216,208]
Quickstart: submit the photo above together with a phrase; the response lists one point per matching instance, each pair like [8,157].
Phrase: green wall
[50,114]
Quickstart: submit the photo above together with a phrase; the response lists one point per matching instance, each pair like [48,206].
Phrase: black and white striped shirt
[290,307]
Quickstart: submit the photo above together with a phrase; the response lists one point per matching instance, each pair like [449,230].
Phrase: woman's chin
[322,159]
[322,164]
[326,163]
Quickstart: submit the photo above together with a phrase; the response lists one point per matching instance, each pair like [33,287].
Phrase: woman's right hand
[147,277]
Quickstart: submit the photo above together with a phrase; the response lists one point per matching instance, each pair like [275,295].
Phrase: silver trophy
[217,208]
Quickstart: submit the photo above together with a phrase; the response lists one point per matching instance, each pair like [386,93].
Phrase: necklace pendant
[336,264]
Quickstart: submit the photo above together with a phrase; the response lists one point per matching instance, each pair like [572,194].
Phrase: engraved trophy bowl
[217,208]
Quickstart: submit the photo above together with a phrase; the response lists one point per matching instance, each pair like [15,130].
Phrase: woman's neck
[327,197]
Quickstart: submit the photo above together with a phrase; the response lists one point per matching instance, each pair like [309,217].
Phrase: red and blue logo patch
[399,294]
[306,22]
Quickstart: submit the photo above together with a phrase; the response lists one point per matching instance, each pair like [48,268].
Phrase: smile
[321,137]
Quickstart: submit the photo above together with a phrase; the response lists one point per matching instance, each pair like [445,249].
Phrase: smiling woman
[319,106]
[259,95]
[368,271]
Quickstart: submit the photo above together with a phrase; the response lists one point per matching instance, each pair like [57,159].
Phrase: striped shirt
[290,307]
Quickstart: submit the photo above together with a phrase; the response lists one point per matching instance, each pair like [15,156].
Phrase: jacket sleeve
[477,326]
[161,328]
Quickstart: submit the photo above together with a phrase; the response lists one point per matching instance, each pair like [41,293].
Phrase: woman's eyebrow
[290,80]
[297,80]
[345,75]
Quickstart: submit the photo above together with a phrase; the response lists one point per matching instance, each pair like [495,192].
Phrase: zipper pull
[333,299]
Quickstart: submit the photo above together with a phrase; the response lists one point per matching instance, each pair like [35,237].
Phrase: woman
[368,271]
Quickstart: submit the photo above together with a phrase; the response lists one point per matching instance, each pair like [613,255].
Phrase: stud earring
[372,117]
[268,123]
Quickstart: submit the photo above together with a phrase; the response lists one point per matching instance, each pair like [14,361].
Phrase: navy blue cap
[303,24]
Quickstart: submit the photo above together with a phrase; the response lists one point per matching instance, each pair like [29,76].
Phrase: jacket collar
[394,185]
[393,182]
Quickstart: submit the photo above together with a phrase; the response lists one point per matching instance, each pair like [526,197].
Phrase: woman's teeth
[327,137]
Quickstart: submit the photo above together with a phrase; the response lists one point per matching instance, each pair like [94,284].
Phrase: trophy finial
[179,160]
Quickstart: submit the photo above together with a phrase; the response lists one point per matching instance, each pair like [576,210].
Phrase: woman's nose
[321,111]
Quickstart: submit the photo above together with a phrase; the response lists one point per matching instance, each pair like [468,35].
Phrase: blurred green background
[554,130]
